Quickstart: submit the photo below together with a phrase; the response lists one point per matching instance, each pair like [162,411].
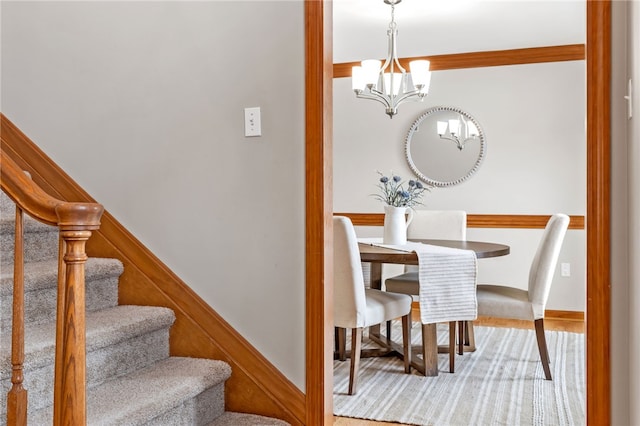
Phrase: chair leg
[356,345]
[452,346]
[389,330]
[542,347]
[341,338]
[406,342]
[461,331]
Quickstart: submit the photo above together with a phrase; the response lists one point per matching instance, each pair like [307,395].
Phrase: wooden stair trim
[477,220]
[492,58]
[255,386]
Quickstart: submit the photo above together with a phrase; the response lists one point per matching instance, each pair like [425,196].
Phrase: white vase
[395,224]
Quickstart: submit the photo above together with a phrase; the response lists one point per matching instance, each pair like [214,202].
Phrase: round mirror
[445,146]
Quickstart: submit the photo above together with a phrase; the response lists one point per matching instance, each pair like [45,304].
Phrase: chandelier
[459,131]
[389,83]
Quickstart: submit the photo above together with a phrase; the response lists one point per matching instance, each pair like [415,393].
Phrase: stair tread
[44,274]
[103,328]
[230,418]
[140,396]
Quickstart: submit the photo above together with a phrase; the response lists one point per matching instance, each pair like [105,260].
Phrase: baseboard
[555,315]
[577,316]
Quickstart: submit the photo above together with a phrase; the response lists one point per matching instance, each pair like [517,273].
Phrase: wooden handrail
[43,207]
[75,221]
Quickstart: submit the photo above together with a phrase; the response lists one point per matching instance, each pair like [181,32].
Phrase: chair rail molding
[477,220]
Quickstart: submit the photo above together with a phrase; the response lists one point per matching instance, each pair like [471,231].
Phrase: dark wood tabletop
[376,256]
[369,253]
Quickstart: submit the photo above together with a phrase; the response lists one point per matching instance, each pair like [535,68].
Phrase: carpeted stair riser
[40,241]
[114,348]
[101,289]
[199,409]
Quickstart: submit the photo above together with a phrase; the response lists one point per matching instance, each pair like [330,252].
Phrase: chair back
[437,225]
[545,261]
[349,300]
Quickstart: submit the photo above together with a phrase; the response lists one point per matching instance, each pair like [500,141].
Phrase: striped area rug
[501,383]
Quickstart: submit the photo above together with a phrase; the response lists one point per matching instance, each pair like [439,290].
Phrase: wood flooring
[555,324]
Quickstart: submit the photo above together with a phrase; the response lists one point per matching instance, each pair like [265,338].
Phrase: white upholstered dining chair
[355,307]
[516,303]
[434,225]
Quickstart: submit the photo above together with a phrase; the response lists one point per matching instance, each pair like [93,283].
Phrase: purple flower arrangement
[394,192]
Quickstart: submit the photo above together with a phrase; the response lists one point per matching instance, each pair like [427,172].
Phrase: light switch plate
[252,125]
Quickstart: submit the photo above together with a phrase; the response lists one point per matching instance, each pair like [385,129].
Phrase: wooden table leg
[341,338]
[430,349]
[376,276]
[469,337]
[376,284]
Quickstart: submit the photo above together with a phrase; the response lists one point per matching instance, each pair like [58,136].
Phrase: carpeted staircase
[131,379]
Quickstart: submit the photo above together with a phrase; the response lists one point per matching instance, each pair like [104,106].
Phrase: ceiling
[432,27]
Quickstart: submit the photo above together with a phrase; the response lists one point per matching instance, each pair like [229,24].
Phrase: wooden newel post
[69,401]
[70,369]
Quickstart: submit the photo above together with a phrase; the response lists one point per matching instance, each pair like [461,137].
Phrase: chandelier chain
[392,24]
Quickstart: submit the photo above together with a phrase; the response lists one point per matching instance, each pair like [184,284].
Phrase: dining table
[377,255]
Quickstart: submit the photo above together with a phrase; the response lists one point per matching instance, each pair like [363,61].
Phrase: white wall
[142,104]
[534,120]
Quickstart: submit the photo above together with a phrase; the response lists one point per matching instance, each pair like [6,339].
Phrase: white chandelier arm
[408,95]
[456,140]
[376,96]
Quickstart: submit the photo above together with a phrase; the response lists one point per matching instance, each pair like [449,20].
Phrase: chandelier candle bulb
[454,127]
[371,72]
[442,127]
[357,79]
[473,130]
[420,74]
[392,84]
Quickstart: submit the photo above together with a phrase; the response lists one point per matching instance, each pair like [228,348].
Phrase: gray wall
[620,209]
[534,120]
[625,252]
[634,214]
[142,104]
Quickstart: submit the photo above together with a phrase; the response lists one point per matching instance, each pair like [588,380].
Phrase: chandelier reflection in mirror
[459,131]
[388,84]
